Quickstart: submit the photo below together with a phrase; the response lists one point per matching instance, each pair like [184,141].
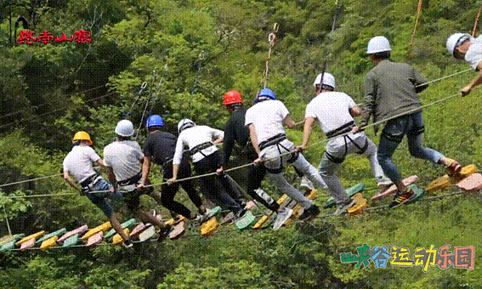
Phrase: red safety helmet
[232,97]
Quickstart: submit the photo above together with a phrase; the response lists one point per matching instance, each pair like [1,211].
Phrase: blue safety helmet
[263,94]
[154,120]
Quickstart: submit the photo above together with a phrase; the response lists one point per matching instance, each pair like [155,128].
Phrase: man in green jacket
[391,94]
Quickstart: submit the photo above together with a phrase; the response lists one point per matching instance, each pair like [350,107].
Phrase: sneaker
[284,214]
[344,206]
[402,198]
[163,233]
[310,213]
[306,184]
[127,244]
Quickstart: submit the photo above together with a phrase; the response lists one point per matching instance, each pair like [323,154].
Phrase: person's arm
[370,89]
[218,136]
[112,180]
[289,122]
[355,111]
[254,139]
[146,166]
[175,170]
[70,181]
[309,122]
[477,81]
[420,82]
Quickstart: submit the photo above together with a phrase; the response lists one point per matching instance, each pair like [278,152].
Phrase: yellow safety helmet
[82,135]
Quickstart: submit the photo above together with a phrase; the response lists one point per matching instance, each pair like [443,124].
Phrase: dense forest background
[190,53]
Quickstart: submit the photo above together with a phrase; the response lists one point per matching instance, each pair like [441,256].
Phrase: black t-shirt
[160,145]
[235,131]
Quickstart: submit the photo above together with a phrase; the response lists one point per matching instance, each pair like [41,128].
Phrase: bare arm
[254,138]
[309,122]
[112,179]
[355,111]
[146,166]
[175,171]
[477,81]
[289,122]
[70,181]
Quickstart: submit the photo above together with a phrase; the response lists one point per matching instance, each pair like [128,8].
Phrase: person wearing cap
[265,121]
[123,159]
[79,163]
[335,112]
[391,94]
[200,141]
[236,132]
[159,148]
[464,47]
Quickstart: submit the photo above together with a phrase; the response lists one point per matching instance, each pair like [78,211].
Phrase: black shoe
[240,213]
[163,233]
[310,213]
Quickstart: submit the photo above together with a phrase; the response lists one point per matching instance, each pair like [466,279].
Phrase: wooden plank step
[127,224]
[247,221]
[95,239]
[177,231]
[471,184]
[102,228]
[393,189]
[359,206]
[49,243]
[28,238]
[117,239]
[71,241]
[48,236]
[351,191]
[79,231]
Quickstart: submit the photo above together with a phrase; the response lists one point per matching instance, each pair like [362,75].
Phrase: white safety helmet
[455,40]
[328,79]
[124,128]
[378,44]
[185,123]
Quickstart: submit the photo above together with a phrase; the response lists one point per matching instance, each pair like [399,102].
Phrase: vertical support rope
[271,40]
[476,21]
[419,10]
[6,219]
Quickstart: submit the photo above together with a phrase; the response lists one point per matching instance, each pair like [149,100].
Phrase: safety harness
[89,183]
[340,131]
[276,140]
[200,147]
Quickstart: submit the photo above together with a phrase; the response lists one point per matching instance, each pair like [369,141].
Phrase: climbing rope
[419,10]
[476,21]
[271,41]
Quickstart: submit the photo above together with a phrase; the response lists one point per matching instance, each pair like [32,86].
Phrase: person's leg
[415,140]
[100,200]
[256,175]
[167,200]
[309,171]
[188,185]
[213,187]
[391,137]
[327,171]
[285,188]
[376,169]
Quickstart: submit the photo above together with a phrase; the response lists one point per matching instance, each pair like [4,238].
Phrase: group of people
[390,96]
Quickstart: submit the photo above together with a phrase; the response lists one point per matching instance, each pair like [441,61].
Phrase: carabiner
[275,28]
[271,38]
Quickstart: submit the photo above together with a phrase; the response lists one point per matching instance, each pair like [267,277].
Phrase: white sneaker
[282,217]
[306,184]
[344,206]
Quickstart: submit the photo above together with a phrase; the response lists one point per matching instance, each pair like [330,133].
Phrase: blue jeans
[100,198]
[393,133]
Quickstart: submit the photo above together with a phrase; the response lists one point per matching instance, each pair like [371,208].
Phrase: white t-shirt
[124,157]
[79,162]
[267,117]
[474,54]
[194,136]
[331,109]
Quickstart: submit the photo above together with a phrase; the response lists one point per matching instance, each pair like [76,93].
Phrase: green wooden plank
[127,224]
[247,221]
[53,234]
